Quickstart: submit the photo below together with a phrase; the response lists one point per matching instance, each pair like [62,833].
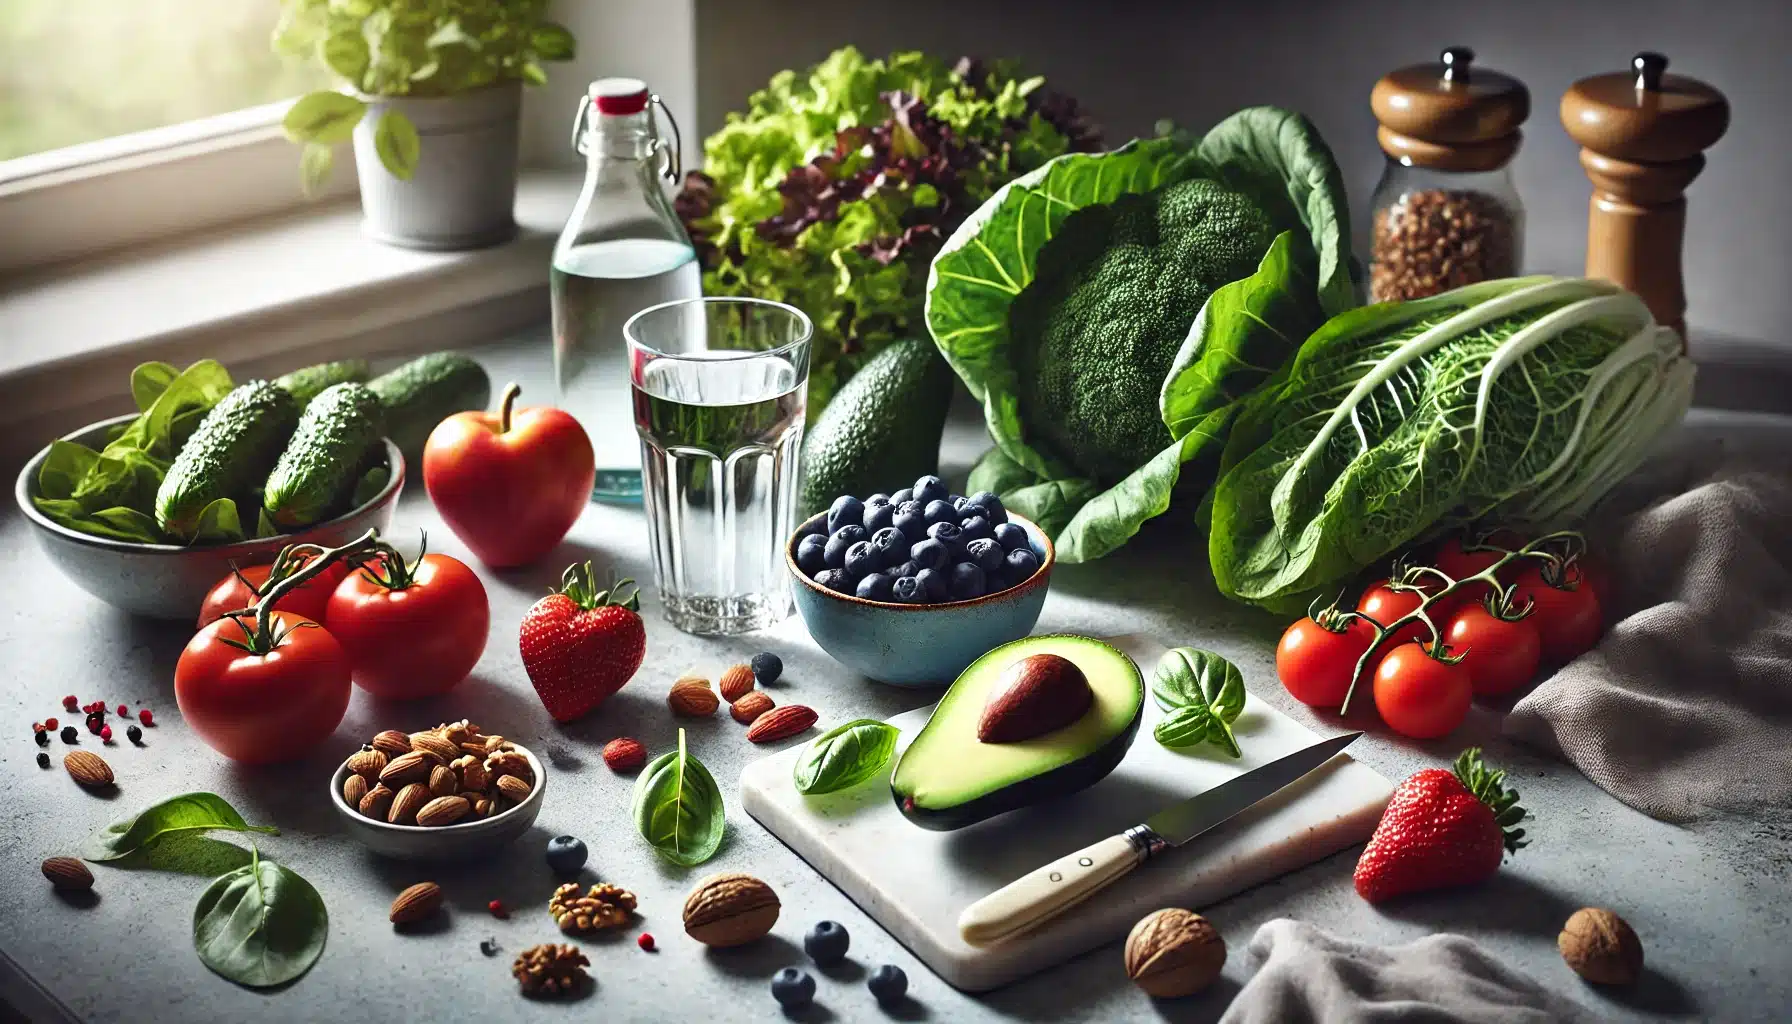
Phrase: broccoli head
[1116,292]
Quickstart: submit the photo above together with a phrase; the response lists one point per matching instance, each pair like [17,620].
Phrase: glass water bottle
[622,250]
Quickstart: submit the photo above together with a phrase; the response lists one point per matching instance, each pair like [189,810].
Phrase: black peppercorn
[69,734]
[43,737]
[135,735]
[43,759]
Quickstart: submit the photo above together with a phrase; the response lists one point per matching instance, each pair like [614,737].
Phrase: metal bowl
[461,840]
[170,581]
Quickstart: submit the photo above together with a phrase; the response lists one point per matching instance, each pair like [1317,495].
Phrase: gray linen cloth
[1310,975]
[1685,707]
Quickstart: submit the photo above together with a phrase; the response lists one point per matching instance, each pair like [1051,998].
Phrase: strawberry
[580,644]
[1442,828]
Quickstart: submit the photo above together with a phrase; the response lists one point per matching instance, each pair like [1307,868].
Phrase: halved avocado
[948,778]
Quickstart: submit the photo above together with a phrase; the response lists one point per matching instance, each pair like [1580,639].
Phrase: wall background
[1131,62]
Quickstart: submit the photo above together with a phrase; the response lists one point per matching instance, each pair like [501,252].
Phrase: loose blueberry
[863,559]
[931,554]
[839,541]
[892,544]
[946,533]
[878,517]
[967,581]
[846,511]
[992,506]
[69,735]
[793,989]
[838,580]
[931,488]
[875,587]
[908,568]
[1022,564]
[939,511]
[43,759]
[1011,537]
[908,590]
[911,519]
[887,983]
[902,496]
[827,943]
[811,553]
[933,585]
[985,554]
[566,855]
[975,527]
[767,667]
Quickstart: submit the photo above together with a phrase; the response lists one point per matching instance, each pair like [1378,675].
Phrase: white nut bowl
[459,841]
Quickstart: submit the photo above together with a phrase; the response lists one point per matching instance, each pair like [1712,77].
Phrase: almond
[436,745]
[514,788]
[367,763]
[376,803]
[392,743]
[692,698]
[736,682]
[472,773]
[482,806]
[88,768]
[493,744]
[443,810]
[750,706]
[781,723]
[68,873]
[354,790]
[443,781]
[416,903]
[730,910]
[405,769]
[625,754]
[407,803]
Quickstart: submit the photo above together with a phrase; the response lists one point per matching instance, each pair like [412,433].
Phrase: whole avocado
[882,428]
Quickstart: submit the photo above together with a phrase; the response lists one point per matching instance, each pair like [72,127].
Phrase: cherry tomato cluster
[268,675]
[1478,619]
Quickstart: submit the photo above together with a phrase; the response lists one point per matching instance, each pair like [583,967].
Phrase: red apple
[510,483]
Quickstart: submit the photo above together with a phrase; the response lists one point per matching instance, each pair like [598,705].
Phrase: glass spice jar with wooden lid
[1445,213]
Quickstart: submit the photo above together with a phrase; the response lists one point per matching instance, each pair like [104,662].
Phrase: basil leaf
[260,925]
[1203,693]
[678,808]
[64,466]
[845,756]
[186,813]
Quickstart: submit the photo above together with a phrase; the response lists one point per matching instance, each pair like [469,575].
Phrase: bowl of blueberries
[909,588]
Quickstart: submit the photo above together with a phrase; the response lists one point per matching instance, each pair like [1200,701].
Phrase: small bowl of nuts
[440,794]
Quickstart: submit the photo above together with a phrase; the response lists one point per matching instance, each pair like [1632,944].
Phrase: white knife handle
[1042,895]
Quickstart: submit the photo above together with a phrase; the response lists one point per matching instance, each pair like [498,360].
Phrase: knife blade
[1043,894]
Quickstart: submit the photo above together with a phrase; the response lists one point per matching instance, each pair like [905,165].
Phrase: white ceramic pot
[463,191]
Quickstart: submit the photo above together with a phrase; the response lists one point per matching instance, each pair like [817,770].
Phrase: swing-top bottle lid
[619,95]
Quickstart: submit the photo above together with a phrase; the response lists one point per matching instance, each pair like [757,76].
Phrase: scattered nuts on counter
[88,769]
[736,682]
[730,909]
[1174,952]
[602,907]
[625,754]
[781,723]
[416,903]
[550,969]
[68,873]
[436,777]
[748,709]
[692,698]
[1601,947]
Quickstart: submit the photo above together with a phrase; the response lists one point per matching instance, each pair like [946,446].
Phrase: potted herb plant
[432,97]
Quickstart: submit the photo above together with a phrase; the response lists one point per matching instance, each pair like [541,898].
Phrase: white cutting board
[915,882]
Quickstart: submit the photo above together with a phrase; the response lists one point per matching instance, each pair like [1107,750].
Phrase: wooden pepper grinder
[1643,135]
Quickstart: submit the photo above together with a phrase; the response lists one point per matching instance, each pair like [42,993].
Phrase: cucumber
[307,383]
[227,456]
[881,430]
[426,391]
[316,474]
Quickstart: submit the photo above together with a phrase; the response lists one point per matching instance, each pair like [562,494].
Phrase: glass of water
[719,389]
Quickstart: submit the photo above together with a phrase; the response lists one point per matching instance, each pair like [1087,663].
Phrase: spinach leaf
[678,808]
[845,756]
[117,523]
[218,523]
[176,412]
[260,925]
[1203,693]
[63,467]
[121,476]
[186,813]
[148,381]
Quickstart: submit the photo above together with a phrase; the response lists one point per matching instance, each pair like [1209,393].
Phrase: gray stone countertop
[1713,905]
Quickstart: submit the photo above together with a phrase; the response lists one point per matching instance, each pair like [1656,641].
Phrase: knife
[1041,895]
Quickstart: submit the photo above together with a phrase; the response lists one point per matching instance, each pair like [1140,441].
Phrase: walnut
[730,909]
[1601,947]
[1174,952]
[509,762]
[551,969]
[604,906]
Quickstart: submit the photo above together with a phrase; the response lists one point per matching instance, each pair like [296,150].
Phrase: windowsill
[260,298]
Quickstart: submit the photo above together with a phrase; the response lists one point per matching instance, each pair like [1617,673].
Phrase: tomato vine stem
[265,637]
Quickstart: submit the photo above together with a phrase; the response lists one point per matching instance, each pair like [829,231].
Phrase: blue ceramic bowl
[919,644]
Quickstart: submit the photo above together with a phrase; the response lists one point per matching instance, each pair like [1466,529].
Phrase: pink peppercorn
[123,711]
[497,909]
[645,942]
[70,703]
[50,723]
[106,733]
[145,717]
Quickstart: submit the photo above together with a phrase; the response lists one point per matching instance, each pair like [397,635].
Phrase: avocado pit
[1037,694]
